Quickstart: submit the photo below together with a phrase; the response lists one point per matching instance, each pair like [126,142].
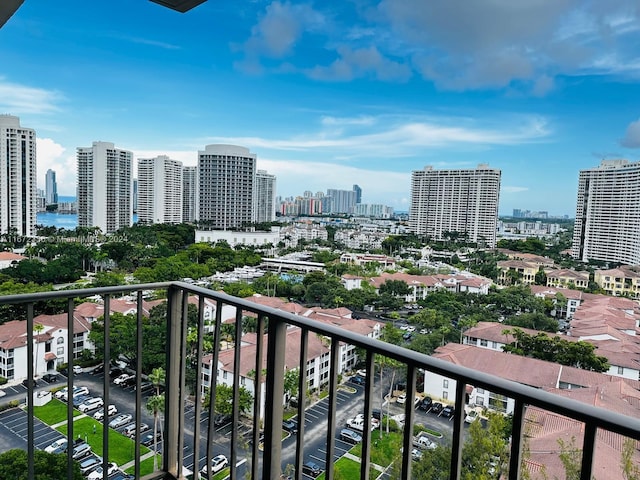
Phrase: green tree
[397,288]
[224,399]
[155,406]
[47,466]
[630,470]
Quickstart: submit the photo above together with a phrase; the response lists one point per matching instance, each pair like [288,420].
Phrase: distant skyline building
[18,179]
[50,187]
[607,225]
[341,201]
[226,182]
[265,197]
[159,190]
[105,187]
[134,198]
[189,194]
[460,201]
[358,190]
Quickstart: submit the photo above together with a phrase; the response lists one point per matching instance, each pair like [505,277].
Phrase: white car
[59,446]
[77,369]
[402,399]
[91,404]
[471,416]
[99,415]
[97,473]
[123,378]
[217,463]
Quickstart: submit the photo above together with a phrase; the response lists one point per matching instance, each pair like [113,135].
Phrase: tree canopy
[48,466]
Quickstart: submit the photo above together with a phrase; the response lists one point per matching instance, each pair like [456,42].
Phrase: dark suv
[425,404]
[50,377]
[358,380]
[312,469]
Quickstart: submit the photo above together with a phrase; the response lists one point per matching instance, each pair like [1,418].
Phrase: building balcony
[257,450]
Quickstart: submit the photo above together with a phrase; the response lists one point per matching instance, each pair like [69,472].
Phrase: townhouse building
[420,286]
[621,281]
[513,272]
[567,278]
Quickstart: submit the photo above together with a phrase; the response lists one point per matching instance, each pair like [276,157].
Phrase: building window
[620,370]
[224,374]
[60,340]
[445,383]
[60,351]
[483,342]
[445,395]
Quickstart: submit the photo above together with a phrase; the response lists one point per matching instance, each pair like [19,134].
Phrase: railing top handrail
[625,425]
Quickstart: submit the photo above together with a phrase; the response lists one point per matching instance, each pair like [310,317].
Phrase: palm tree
[38,328]
[155,405]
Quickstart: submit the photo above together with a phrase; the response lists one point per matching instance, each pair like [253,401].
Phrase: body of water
[68,221]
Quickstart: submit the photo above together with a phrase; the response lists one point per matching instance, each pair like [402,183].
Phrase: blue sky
[332,93]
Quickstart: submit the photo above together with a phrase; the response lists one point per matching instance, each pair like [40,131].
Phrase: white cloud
[21,99]
[52,155]
[631,137]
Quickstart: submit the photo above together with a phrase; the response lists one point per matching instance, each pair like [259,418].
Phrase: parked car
[115,372]
[358,380]
[377,414]
[50,377]
[59,446]
[217,463]
[290,426]
[130,430]
[77,391]
[98,369]
[25,383]
[425,404]
[91,404]
[60,394]
[88,465]
[112,468]
[221,419]
[416,454]
[349,436]
[77,369]
[312,469]
[120,421]
[402,399]
[436,408]
[447,412]
[99,415]
[121,379]
[81,450]
[471,416]
[147,438]
[80,399]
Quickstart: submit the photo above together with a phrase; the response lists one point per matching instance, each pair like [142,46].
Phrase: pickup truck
[423,442]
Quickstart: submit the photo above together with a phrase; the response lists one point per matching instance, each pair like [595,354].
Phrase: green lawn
[121,448]
[384,450]
[146,466]
[347,468]
[53,412]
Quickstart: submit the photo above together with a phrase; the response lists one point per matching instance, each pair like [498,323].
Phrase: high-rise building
[265,197]
[358,190]
[189,194]
[159,190]
[607,225]
[50,187]
[134,198]
[460,202]
[226,182]
[18,180]
[341,201]
[104,187]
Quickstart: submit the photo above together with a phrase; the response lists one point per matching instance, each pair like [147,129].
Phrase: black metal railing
[263,457]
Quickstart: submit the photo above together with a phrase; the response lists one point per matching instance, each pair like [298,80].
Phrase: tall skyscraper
[51,187]
[342,201]
[607,225]
[189,194]
[104,187]
[159,190]
[226,182]
[134,196]
[358,190]
[18,180]
[460,201]
[265,197]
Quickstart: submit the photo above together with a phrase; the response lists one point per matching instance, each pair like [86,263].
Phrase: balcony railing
[182,434]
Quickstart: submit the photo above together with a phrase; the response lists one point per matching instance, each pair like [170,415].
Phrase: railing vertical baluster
[407,437]
[173,395]
[30,384]
[138,400]
[458,430]
[70,339]
[517,430]
[332,407]
[272,457]
[236,392]
[257,398]
[198,389]
[365,461]
[302,399]
[588,450]
[213,381]
[107,356]
[184,327]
